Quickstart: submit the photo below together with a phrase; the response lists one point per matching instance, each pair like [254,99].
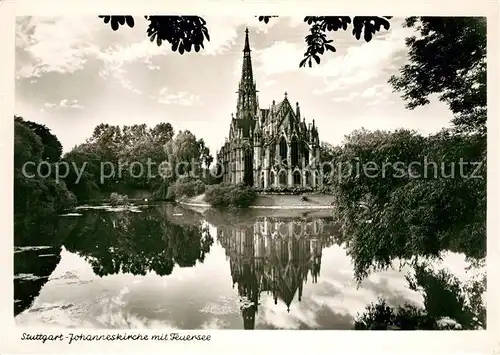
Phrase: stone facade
[270,147]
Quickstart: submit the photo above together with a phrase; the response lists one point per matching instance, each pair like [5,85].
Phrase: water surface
[163,266]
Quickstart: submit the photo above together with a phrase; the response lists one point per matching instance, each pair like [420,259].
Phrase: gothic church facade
[268,147]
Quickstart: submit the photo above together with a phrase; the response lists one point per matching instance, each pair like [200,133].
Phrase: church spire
[247,93]
[247,43]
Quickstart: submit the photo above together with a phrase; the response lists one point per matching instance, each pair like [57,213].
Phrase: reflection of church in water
[276,256]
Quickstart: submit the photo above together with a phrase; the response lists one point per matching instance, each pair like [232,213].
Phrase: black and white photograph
[250,172]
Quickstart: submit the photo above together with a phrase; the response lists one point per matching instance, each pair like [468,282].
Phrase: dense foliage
[116,199]
[224,195]
[114,160]
[37,192]
[414,200]
[448,59]
[185,188]
[121,159]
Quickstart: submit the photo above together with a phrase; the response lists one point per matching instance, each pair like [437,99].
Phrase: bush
[41,197]
[224,195]
[118,200]
[381,316]
[185,188]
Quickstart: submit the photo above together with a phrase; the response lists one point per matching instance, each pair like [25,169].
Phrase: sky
[73,73]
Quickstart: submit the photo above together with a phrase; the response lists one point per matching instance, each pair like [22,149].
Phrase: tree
[52,147]
[414,211]
[186,152]
[162,132]
[37,193]
[130,150]
[108,141]
[448,59]
[185,33]
[28,145]
[85,157]
[328,155]
[402,195]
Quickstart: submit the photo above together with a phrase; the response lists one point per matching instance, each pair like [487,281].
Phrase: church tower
[243,125]
[268,148]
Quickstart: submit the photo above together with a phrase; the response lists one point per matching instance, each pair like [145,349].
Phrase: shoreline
[257,207]
[272,202]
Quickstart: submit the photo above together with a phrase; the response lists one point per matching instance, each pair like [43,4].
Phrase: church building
[268,147]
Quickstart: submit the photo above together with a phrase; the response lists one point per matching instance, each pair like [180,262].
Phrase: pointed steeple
[247,105]
[247,42]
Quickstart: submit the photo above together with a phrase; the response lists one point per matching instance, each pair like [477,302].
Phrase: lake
[165,266]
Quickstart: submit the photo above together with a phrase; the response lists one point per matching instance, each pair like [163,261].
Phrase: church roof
[286,115]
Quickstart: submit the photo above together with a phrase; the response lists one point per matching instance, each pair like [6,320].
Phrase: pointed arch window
[283,149]
[295,151]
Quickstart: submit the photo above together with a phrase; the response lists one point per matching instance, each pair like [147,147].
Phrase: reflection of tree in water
[274,255]
[137,243]
[32,269]
[36,255]
[448,304]
[111,242]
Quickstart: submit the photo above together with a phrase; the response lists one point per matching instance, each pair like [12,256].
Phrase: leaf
[175,45]
[303,62]
[316,58]
[330,47]
[356,33]
[368,36]
[158,41]
[130,21]
[106,18]
[265,19]
[205,32]
[114,25]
